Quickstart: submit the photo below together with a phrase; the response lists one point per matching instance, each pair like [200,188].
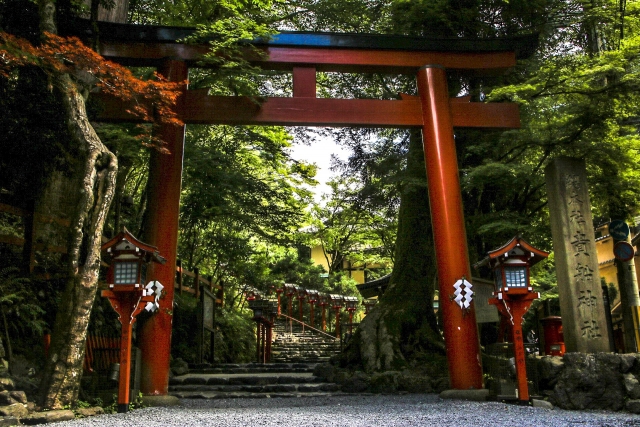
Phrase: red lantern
[128,295]
[513,296]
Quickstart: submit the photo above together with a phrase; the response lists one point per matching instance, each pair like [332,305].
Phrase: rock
[414,383]
[8,421]
[590,381]
[632,386]
[537,403]
[18,396]
[550,368]
[356,383]
[179,367]
[440,384]
[385,382]
[325,370]
[6,399]
[7,384]
[17,410]
[633,406]
[627,361]
[163,400]
[89,412]
[48,417]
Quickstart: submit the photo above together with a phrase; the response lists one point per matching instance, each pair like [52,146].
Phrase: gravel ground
[356,411]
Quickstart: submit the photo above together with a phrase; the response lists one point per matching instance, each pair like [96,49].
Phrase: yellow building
[604,249]
[608,271]
[354,270]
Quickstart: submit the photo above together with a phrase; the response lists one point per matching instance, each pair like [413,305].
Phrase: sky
[320,154]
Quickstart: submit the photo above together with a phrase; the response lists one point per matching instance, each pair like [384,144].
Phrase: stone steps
[252,368]
[299,346]
[251,381]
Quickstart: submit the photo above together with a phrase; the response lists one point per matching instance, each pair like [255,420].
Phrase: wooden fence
[191,281]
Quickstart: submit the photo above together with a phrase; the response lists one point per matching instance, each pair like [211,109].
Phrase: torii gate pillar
[445,198]
[161,230]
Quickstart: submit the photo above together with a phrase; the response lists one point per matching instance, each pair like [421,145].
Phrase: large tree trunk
[402,329]
[95,175]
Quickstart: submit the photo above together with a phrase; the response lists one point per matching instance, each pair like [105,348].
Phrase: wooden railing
[190,282]
[305,326]
[100,353]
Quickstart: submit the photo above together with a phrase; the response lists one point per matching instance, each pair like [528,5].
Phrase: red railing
[305,325]
[100,353]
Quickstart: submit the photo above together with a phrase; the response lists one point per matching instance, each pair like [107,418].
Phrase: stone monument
[581,303]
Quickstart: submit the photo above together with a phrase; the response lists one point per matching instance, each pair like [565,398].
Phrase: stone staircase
[251,381]
[301,346]
[290,374]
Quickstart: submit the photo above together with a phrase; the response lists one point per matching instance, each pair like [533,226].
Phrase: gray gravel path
[353,411]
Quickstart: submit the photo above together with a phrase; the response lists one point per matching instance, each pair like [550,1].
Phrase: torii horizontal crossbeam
[200,108]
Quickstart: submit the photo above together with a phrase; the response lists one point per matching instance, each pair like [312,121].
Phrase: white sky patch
[320,153]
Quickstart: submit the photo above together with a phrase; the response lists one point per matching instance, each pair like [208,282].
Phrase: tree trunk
[95,175]
[402,331]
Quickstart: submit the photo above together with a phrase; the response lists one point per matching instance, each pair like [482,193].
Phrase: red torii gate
[304,54]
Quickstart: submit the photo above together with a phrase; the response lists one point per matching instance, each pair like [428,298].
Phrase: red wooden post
[179,268]
[290,304]
[337,309]
[128,305]
[324,316]
[311,314]
[460,330]
[258,339]
[304,82]
[519,309]
[161,230]
[300,306]
[279,292]
[350,322]
[264,342]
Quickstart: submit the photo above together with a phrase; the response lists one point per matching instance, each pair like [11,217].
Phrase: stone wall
[591,381]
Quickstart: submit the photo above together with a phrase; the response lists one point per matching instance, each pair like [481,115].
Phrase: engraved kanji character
[580,244]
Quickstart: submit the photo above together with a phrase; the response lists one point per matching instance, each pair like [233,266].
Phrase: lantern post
[128,296]
[324,302]
[351,305]
[312,298]
[289,290]
[302,293]
[368,305]
[336,303]
[264,312]
[513,296]
[279,292]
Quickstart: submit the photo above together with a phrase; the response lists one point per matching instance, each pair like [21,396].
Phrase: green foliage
[234,335]
[236,340]
[21,313]
[349,230]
